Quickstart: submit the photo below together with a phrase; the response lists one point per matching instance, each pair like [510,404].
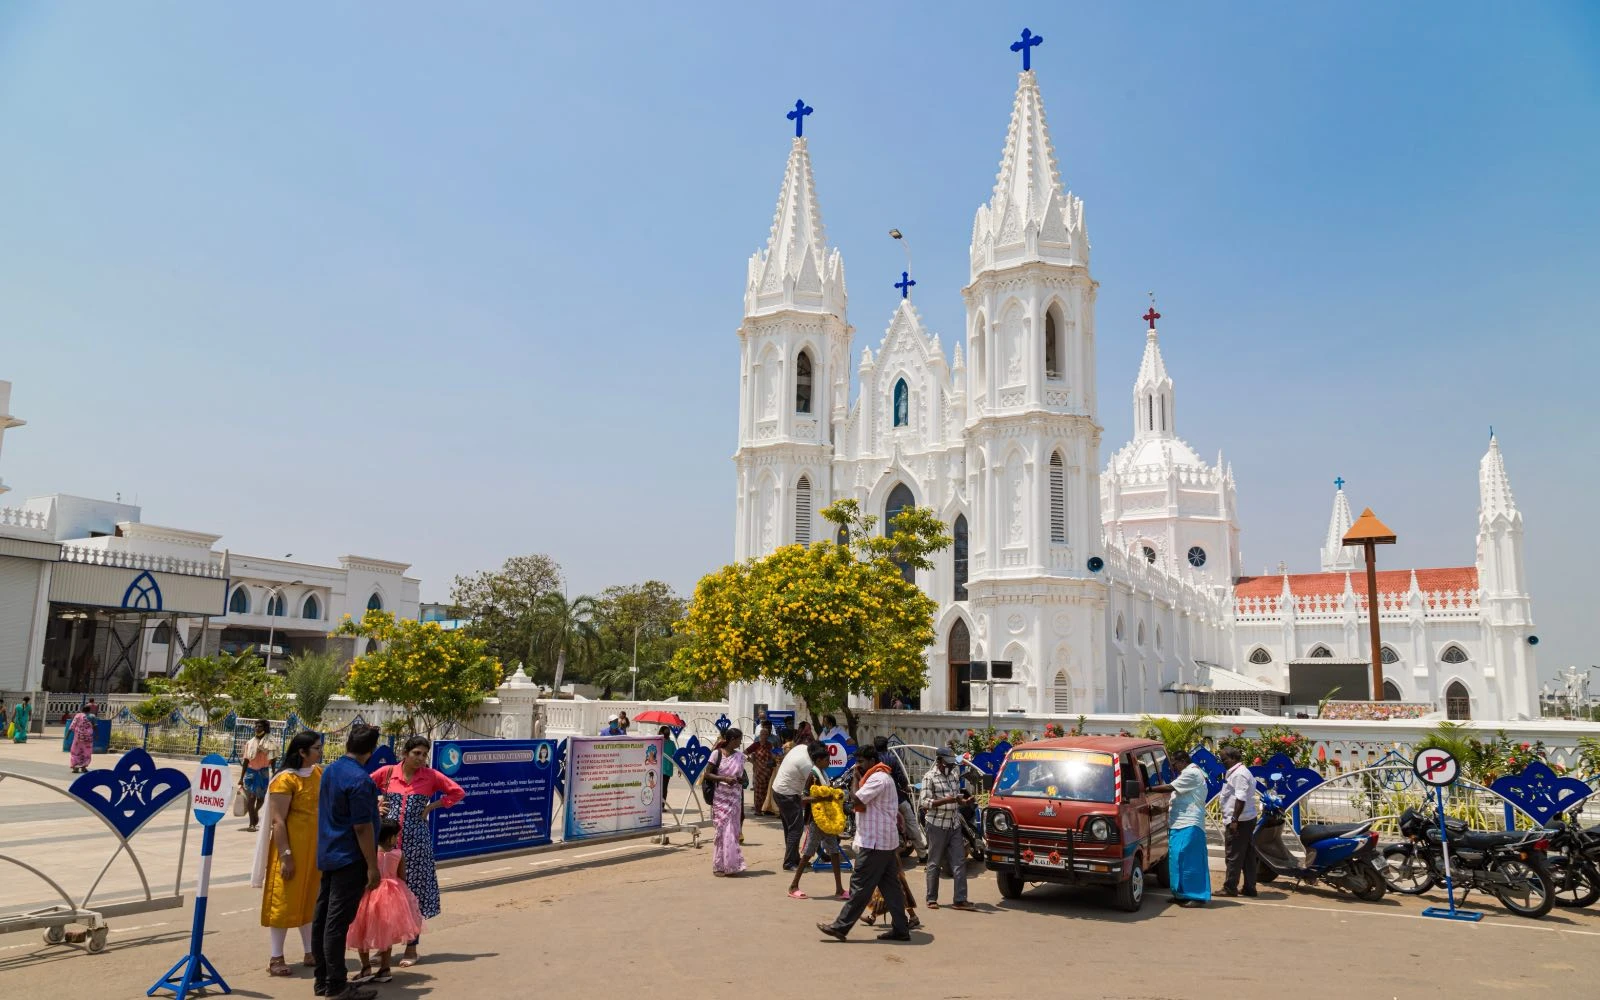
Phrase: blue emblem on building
[143,594]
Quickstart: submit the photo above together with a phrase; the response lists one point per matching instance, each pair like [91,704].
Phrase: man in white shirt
[877,864]
[1239,811]
[791,782]
[831,728]
[1188,868]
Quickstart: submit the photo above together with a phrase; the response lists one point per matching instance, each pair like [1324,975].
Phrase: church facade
[1114,589]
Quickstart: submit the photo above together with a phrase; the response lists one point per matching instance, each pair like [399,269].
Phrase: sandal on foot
[383,976]
[278,967]
[797,894]
[406,963]
[933,904]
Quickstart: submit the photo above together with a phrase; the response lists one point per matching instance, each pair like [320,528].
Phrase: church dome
[1156,453]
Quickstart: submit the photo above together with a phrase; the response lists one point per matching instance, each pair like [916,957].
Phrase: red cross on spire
[1151,316]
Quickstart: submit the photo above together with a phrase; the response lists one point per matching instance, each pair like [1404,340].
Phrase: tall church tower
[794,369]
[1032,438]
[1503,592]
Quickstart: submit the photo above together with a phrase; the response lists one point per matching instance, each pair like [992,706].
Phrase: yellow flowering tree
[435,675]
[825,621]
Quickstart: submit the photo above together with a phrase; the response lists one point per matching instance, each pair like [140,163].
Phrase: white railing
[1354,743]
[581,717]
[137,560]
[25,520]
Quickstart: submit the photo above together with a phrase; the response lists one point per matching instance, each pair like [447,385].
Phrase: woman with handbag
[723,787]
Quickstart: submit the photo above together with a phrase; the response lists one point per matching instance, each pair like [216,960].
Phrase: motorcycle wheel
[1575,882]
[1535,877]
[1365,882]
[1265,872]
[1406,872]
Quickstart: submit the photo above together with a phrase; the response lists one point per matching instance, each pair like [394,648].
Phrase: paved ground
[637,918]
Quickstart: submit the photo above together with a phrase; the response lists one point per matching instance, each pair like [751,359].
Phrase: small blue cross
[798,116]
[1339,483]
[904,284]
[1029,40]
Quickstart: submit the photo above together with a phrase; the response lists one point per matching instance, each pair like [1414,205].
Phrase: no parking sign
[211,796]
[212,791]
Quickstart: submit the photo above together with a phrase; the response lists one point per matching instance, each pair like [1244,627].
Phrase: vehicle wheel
[1011,885]
[1365,882]
[54,935]
[1576,883]
[1130,893]
[1529,893]
[1163,872]
[1405,871]
[97,940]
[1265,872]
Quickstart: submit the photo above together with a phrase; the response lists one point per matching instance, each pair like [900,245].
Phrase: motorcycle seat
[1480,839]
[1313,833]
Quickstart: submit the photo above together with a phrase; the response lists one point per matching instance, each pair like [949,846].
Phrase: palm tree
[564,633]
[1183,733]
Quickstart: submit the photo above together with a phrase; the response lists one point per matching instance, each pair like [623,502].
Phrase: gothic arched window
[1453,654]
[375,602]
[1149,553]
[980,361]
[902,404]
[899,499]
[1260,655]
[1321,653]
[1052,347]
[1058,498]
[1391,691]
[311,610]
[958,652]
[1061,693]
[959,531]
[1387,655]
[239,603]
[277,607]
[1119,629]
[163,634]
[1140,636]
[802,383]
[1457,701]
[802,509]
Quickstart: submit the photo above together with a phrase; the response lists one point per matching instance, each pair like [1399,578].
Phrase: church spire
[796,270]
[1154,402]
[1029,216]
[1336,557]
[1494,487]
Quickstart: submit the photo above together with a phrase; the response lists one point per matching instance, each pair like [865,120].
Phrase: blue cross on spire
[904,284]
[1339,483]
[798,116]
[1029,40]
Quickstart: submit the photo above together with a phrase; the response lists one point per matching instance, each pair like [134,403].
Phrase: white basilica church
[1110,590]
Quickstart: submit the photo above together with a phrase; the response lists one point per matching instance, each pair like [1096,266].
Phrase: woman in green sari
[21,719]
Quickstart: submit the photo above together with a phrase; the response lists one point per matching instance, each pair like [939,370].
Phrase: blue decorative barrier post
[1439,769]
[213,793]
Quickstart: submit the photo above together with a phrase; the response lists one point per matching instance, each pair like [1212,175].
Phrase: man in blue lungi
[1188,866]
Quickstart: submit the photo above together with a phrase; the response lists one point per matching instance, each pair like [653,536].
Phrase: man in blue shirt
[347,856]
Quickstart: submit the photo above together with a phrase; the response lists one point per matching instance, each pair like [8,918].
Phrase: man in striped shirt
[943,797]
[877,845]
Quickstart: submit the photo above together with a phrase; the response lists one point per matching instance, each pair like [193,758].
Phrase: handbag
[708,788]
[239,807]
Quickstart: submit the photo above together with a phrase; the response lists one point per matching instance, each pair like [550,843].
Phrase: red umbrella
[660,718]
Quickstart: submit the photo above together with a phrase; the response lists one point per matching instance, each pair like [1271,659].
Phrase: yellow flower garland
[828,811]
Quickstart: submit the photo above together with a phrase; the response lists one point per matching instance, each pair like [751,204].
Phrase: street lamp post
[271,623]
[633,688]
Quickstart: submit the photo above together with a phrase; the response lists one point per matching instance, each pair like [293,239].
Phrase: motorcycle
[1511,866]
[1574,859]
[1344,855]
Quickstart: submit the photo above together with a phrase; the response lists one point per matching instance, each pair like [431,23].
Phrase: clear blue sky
[451,284]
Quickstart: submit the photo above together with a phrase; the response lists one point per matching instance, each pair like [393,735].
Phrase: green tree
[314,678]
[825,621]
[257,694]
[436,676]
[204,685]
[566,637]
[1183,733]
[503,607]
[648,611]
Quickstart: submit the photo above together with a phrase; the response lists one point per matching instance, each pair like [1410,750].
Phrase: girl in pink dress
[389,914]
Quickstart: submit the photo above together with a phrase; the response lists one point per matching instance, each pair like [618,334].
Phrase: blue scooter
[1344,855]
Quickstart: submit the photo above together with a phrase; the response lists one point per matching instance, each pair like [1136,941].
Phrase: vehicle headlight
[1099,828]
[1001,821]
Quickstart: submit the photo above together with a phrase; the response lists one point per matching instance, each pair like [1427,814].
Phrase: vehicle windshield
[1076,775]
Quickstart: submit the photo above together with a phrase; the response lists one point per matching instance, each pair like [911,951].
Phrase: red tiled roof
[1390,581]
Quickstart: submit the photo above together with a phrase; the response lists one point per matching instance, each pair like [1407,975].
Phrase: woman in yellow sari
[286,851]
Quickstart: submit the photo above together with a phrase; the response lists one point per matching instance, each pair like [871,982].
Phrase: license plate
[1379,863]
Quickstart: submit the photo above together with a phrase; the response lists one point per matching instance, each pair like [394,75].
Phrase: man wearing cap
[942,797]
[613,726]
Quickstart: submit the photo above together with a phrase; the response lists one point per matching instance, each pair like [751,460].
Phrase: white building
[1108,591]
[92,597]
